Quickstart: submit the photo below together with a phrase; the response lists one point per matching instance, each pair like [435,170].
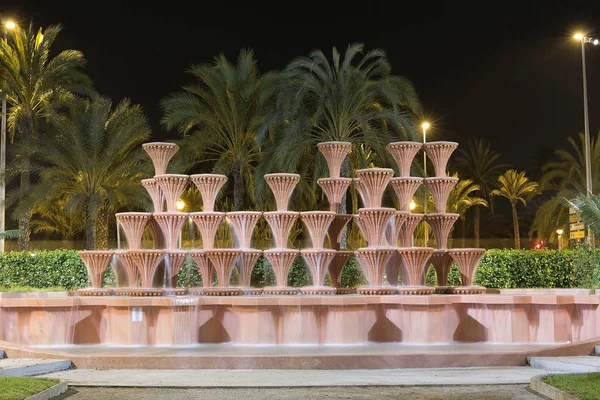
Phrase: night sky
[510,71]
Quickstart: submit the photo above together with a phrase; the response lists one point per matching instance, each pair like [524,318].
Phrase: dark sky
[508,71]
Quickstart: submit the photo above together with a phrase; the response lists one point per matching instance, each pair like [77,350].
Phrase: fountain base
[376,290]
[139,292]
[252,291]
[94,292]
[467,290]
[318,290]
[345,290]
[222,291]
[415,290]
[196,291]
[175,291]
[280,290]
[443,290]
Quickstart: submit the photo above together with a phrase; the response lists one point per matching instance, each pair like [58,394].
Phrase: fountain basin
[208,185]
[172,185]
[334,189]
[207,223]
[160,153]
[334,154]
[404,153]
[243,223]
[282,185]
[439,154]
[373,182]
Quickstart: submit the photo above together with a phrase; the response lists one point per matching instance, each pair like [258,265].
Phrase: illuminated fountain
[161,154]
[243,223]
[133,223]
[439,154]
[171,224]
[146,262]
[440,188]
[172,186]
[467,261]
[207,223]
[318,258]
[334,153]
[441,224]
[404,153]
[96,262]
[281,222]
[208,185]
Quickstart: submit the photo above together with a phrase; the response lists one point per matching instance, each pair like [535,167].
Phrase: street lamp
[8,26]
[586,124]
[559,232]
[425,125]
[412,205]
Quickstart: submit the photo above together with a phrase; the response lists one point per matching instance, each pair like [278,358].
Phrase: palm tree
[49,217]
[516,187]
[462,198]
[353,98]
[36,85]
[480,165]
[564,178]
[219,116]
[95,161]
[588,208]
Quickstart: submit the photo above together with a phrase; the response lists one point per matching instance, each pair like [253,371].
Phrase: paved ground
[567,364]
[297,378]
[502,392]
[31,366]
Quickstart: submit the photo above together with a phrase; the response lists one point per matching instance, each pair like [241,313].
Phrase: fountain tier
[442,262]
[374,182]
[204,267]
[156,194]
[404,153]
[334,153]
[208,223]
[133,279]
[441,224]
[161,154]
[406,234]
[372,222]
[158,238]
[415,261]
[395,227]
[362,191]
[133,224]
[439,153]
[440,188]
[281,223]
[282,186]
[223,260]
[208,185]
[146,262]
[336,267]
[318,261]
[318,223]
[96,262]
[281,260]
[243,223]
[175,260]
[467,261]
[336,228]
[172,186]
[245,264]
[405,188]
[372,262]
[171,223]
[334,189]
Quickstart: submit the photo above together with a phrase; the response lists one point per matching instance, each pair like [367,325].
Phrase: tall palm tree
[95,161]
[49,217]
[480,165]
[36,83]
[516,187]
[564,178]
[219,116]
[462,197]
[352,98]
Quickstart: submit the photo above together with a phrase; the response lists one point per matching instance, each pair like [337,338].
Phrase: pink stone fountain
[318,223]
[161,154]
[373,222]
[336,267]
[146,262]
[133,224]
[175,259]
[334,189]
[208,223]
[334,153]
[281,260]
[156,194]
[133,277]
[96,262]
[362,191]
[318,261]
[281,223]
[405,189]
[373,261]
[172,186]
[223,261]
[208,185]
[373,182]
[415,261]
[282,185]
[245,264]
[442,262]
[243,223]
[158,238]
[395,227]
[441,224]
[206,271]
[336,228]
[404,153]
[440,188]
[439,153]
[467,261]
[171,223]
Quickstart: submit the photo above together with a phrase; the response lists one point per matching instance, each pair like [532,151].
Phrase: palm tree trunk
[238,187]
[26,217]
[101,229]
[90,230]
[516,226]
[476,225]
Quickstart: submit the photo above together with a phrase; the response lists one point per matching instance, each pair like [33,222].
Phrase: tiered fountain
[243,223]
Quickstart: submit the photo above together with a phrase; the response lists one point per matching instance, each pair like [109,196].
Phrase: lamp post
[586,123]
[559,232]
[425,125]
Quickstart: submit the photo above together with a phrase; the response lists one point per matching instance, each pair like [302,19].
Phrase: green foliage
[453,277]
[584,386]
[262,274]
[352,275]
[23,289]
[188,275]
[17,388]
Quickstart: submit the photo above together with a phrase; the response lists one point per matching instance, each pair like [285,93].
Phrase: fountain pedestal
[133,224]
[172,186]
[405,189]
[96,262]
[373,222]
[404,153]
[318,223]
[281,260]
[245,264]
[282,186]
[281,223]
[467,261]
[208,223]
[439,154]
[440,189]
[442,262]
[208,185]
[170,224]
[160,153]
[336,228]
[146,262]
[372,261]
[334,153]
[334,189]
[441,224]
[223,261]
[414,262]
[406,234]
[336,267]
[373,182]
[318,261]
[243,223]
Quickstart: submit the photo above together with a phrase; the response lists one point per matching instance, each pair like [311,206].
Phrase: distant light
[10,24]
[559,232]
[180,204]
[595,42]
[425,125]
[578,36]
[412,205]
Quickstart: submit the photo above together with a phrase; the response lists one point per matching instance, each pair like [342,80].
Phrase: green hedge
[498,269]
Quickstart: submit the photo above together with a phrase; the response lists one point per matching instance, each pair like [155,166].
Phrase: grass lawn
[12,388]
[585,386]
[31,289]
